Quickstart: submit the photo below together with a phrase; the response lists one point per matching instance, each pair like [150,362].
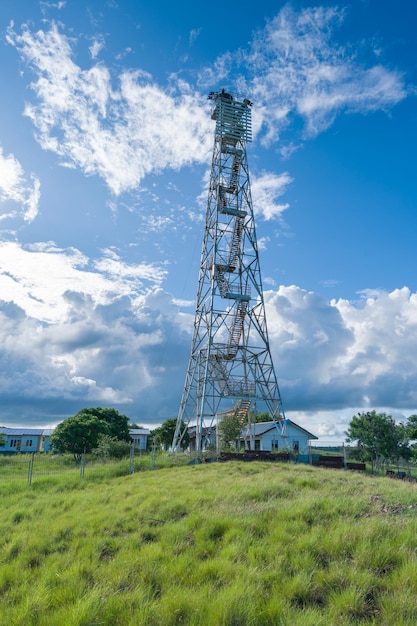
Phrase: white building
[139,437]
[267,436]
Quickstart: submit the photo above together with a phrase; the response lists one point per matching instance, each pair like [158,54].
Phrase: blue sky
[105,150]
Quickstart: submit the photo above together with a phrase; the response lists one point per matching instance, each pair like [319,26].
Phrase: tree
[255,417]
[405,450]
[378,436]
[118,424]
[229,429]
[411,427]
[78,434]
[110,447]
[164,434]
[81,432]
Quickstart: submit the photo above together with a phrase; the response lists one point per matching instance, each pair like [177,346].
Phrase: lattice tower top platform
[233,118]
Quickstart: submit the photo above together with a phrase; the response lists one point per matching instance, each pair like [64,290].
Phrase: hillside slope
[216,544]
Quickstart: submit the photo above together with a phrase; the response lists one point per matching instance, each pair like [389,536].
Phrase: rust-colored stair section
[242,410]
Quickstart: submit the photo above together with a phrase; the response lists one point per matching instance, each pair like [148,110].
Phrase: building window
[274,444]
[13,443]
[28,443]
[257,444]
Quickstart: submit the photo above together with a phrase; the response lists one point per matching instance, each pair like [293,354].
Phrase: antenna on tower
[230,366]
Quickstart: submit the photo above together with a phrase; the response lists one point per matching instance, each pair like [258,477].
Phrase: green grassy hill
[215,544]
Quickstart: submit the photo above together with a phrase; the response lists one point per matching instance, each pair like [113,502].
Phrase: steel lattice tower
[230,364]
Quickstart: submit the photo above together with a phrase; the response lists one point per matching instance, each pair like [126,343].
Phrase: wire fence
[342,455]
[31,467]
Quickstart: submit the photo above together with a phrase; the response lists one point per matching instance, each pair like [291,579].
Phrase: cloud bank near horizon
[110,343]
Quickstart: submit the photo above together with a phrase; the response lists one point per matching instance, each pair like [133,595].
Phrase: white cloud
[383,353]
[19,193]
[287,150]
[300,69]
[294,67]
[217,72]
[38,277]
[96,47]
[194,33]
[329,426]
[52,5]
[309,331]
[115,268]
[120,133]
[125,127]
[331,355]
[113,354]
[266,189]
[263,243]
[72,336]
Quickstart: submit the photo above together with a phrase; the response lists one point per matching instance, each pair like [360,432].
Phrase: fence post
[132,459]
[30,468]
[82,465]
[153,454]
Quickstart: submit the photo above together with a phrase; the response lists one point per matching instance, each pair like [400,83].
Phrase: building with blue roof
[28,440]
[25,439]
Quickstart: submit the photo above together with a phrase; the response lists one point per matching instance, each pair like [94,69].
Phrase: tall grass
[215,544]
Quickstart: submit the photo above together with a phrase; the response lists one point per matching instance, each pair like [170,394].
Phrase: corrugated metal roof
[47,432]
[260,428]
[21,432]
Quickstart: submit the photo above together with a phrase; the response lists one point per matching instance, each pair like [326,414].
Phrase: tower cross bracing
[230,361]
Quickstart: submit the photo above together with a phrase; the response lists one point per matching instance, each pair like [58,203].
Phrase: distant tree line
[104,431]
